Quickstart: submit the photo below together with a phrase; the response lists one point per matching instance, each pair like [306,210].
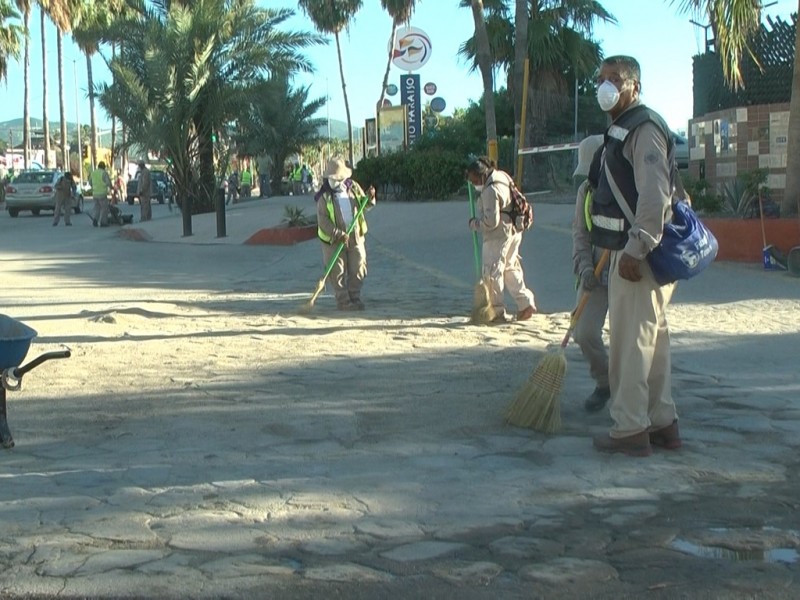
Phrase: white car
[36,191]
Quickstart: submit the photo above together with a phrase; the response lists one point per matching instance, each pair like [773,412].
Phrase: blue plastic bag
[687,247]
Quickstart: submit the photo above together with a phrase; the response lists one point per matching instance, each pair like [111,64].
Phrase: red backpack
[520,210]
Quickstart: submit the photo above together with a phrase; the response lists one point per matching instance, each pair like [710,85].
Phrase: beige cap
[586,152]
[337,169]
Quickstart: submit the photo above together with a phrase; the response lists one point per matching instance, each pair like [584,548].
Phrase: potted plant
[295,227]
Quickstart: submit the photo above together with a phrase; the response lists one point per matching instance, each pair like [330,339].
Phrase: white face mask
[607,96]
[478,188]
[335,184]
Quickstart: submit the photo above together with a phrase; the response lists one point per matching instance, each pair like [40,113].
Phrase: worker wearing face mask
[634,178]
[341,222]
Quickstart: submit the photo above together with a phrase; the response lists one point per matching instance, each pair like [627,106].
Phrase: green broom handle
[598,270]
[473,215]
[361,206]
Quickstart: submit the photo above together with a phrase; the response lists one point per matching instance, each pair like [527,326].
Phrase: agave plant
[293,217]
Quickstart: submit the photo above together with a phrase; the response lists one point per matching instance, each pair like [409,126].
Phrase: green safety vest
[99,187]
[362,222]
[247,178]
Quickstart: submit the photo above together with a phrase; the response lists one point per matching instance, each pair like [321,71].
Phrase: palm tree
[400,11]
[183,73]
[733,23]
[483,57]
[332,17]
[559,49]
[10,34]
[94,19]
[25,7]
[279,121]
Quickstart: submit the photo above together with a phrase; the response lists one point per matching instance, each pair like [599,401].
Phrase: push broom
[536,405]
[306,308]
[483,312]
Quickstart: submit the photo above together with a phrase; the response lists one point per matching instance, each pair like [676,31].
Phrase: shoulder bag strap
[618,194]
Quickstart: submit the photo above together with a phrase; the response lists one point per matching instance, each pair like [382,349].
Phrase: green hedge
[414,175]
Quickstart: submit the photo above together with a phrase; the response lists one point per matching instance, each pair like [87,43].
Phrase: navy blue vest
[609,225]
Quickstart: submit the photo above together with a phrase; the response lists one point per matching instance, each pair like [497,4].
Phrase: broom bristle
[306,308]
[536,405]
[483,312]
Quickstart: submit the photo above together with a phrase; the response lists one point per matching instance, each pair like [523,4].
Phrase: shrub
[704,199]
[293,217]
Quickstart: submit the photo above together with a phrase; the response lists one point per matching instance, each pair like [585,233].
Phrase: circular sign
[438,104]
[391,89]
[387,102]
[430,88]
[412,49]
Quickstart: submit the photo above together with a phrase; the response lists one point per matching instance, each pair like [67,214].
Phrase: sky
[653,31]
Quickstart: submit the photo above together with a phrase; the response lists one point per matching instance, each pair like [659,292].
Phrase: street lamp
[705,28]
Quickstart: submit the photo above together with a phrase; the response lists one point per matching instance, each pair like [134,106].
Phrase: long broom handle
[598,270]
[473,215]
[761,214]
[361,206]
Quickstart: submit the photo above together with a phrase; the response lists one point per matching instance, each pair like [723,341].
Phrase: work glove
[588,280]
[342,238]
[474,224]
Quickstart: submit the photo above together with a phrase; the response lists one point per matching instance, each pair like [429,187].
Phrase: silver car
[36,191]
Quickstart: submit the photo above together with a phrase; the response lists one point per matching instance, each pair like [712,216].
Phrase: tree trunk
[204,201]
[45,118]
[62,111]
[791,197]
[92,114]
[388,67]
[114,118]
[484,57]
[346,102]
[520,53]
[26,116]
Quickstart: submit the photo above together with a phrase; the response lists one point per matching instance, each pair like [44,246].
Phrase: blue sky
[651,30]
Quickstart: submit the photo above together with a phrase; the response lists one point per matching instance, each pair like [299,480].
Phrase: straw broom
[536,405]
[483,312]
[306,308]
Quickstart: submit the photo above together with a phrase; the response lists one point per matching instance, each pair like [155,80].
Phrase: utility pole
[78,123]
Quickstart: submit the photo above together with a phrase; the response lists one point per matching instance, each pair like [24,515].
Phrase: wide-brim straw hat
[337,169]
[586,151]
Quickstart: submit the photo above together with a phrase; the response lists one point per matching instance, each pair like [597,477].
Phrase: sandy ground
[206,439]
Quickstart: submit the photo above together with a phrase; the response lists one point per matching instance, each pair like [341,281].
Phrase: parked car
[681,150]
[36,191]
[161,190]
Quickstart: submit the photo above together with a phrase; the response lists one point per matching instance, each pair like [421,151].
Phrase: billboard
[392,130]
[412,98]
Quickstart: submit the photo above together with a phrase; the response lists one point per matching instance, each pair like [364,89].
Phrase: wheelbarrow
[15,341]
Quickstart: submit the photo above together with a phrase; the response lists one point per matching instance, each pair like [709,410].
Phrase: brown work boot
[526,313]
[666,437]
[632,445]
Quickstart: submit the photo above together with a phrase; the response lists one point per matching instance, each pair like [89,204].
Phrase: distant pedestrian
[101,185]
[264,164]
[246,182]
[144,189]
[64,188]
[233,188]
[502,265]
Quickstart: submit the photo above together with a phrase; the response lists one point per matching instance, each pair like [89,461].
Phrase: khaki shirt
[646,150]
[145,184]
[495,197]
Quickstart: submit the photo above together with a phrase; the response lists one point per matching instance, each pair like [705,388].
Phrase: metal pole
[78,122]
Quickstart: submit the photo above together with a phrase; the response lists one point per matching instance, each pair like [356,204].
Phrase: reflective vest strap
[329,207]
[608,223]
[587,209]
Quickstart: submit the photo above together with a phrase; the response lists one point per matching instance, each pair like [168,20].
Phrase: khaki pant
[502,269]
[64,204]
[639,356]
[100,213]
[145,206]
[348,272]
[588,333]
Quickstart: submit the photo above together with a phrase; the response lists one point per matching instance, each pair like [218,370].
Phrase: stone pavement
[296,478]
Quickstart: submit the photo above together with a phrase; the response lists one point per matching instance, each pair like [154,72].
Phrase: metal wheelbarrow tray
[15,341]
